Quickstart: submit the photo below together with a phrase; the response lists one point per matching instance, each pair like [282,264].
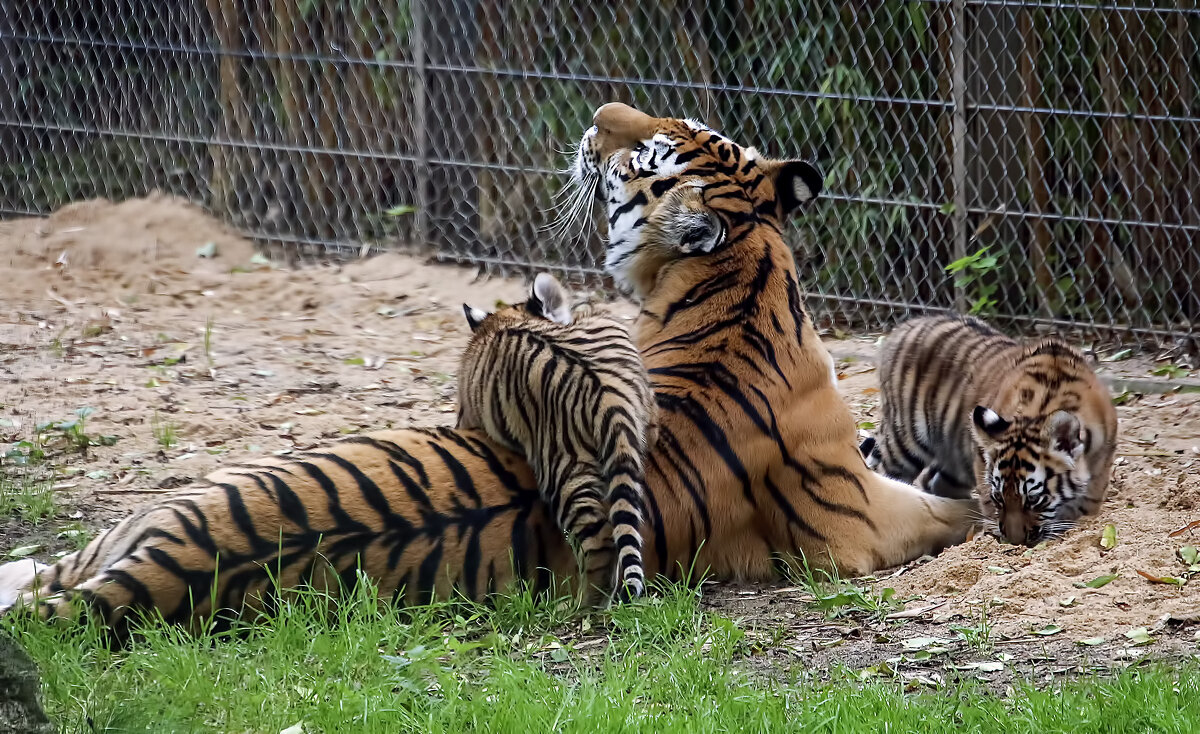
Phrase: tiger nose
[1013,532]
[622,125]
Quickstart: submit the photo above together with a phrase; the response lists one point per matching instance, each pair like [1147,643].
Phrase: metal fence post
[958,96]
[420,125]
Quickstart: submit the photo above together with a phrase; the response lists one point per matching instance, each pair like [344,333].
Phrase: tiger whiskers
[575,202]
[1055,530]
[990,527]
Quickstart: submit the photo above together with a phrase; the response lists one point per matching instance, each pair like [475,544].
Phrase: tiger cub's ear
[549,299]
[1065,433]
[796,182]
[989,422]
[475,316]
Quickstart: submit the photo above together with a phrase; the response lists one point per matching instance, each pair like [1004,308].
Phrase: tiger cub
[567,388]
[1027,426]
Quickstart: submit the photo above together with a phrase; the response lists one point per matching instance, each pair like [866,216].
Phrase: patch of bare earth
[191,352]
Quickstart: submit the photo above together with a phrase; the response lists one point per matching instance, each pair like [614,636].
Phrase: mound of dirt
[124,245]
[1027,590]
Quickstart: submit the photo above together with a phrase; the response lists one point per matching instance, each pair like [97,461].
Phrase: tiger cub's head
[547,300]
[676,189]
[1034,473]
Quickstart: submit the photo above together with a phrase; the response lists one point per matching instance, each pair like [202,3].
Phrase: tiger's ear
[796,182]
[1065,433]
[552,298]
[475,316]
[689,225]
[702,232]
[989,422]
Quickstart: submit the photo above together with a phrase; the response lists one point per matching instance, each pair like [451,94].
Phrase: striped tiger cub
[567,388]
[1027,426]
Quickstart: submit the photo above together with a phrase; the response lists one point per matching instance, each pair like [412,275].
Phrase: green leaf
[983,667]
[1189,555]
[208,249]
[918,643]
[1170,371]
[866,425]
[23,551]
[401,210]
[260,259]
[1155,579]
[1108,538]
[358,361]
[1118,356]
[1091,641]
[1097,582]
[1139,636]
[1050,629]
[1123,397]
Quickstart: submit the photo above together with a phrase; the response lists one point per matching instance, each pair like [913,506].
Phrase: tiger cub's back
[932,373]
[1028,427]
[568,389]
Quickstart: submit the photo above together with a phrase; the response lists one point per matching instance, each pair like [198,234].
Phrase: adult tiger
[423,513]
[756,459]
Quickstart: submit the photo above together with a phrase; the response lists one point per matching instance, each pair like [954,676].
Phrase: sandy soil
[192,351]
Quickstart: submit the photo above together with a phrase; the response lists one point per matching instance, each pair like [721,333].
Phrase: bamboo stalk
[1035,167]
[1112,158]
[323,170]
[361,114]
[944,189]
[289,85]
[225,178]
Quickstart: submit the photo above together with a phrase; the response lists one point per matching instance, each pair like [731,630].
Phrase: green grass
[669,667]
[25,495]
[166,433]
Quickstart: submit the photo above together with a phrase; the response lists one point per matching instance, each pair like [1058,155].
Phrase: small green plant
[166,433]
[975,273]
[1170,371]
[208,331]
[978,636]
[68,435]
[25,453]
[28,496]
[75,534]
[839,597]
[56,344]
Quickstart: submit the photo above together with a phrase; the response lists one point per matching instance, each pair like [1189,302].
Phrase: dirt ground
[192,351]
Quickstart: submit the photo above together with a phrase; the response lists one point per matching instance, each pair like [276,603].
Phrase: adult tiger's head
[676,189]
[1033,473]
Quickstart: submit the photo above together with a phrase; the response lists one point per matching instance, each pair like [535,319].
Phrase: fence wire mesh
[1037,162]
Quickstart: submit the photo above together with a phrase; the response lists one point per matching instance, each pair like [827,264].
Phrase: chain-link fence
[1033,161]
